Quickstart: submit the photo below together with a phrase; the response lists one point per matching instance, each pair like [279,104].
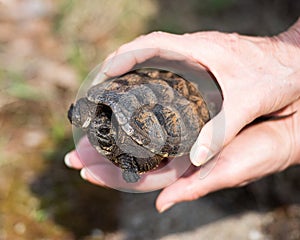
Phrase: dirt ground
[46,50]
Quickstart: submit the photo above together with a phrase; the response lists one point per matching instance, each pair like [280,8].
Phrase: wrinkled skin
[258,76]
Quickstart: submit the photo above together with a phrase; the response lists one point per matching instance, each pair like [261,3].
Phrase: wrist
[292,35]
[287,50]
[288,45]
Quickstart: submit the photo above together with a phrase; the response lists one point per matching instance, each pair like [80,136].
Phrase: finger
[137,51]
[220,130]
[255,152]
[72,160]
[84,155]
[107,174]
[237,111]
[167,46]
[98,170]
[124,60]
[111,176]
[88,175]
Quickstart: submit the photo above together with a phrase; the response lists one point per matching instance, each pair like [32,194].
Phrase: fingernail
[200,155]
[108,62]
[67,160]
[106,68]
[83,174]
[166,207]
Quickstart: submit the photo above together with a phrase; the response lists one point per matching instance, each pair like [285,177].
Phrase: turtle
[140,118]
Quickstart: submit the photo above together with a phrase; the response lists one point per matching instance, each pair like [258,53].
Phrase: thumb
[219,131]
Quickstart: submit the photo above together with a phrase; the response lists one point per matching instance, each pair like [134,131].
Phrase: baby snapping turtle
[138,119]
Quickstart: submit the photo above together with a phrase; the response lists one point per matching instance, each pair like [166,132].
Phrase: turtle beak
[87,122]
[74,117]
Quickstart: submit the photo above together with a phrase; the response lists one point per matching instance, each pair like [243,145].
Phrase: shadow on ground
[71,202]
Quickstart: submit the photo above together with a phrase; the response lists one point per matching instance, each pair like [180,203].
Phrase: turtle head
[82,113]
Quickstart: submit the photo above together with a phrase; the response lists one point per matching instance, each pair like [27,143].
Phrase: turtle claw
[130,176]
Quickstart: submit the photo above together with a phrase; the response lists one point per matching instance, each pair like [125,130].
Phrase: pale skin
[258,76]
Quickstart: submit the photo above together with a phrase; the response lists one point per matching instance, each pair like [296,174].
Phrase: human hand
[258,76]
[100,171]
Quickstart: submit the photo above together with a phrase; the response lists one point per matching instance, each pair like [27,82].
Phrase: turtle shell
[138,119]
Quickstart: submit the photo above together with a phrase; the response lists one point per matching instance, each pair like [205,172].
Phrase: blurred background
[47,47]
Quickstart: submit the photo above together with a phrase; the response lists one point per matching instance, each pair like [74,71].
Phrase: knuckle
[123,48]
[193,195]
[232,176]
[231,180]
[150,36]
[233,37]
[194,192]
[157,34]
[141,37]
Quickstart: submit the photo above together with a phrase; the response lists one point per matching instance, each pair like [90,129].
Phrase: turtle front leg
[130,170]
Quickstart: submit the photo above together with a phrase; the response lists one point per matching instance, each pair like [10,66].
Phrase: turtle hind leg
[130,170]
[130,176]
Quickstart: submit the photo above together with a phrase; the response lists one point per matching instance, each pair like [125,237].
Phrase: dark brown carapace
[138,119]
